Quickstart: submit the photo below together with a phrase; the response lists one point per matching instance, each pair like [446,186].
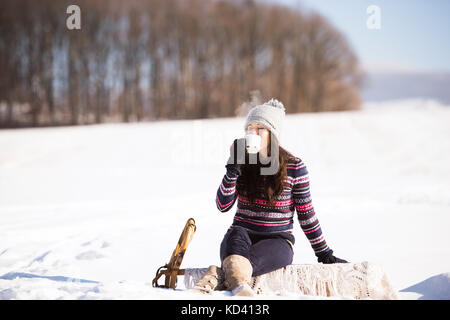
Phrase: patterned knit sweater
[261,218]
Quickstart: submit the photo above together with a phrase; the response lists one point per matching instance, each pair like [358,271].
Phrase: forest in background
[166,59]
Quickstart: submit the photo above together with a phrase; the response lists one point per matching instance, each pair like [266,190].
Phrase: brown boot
[238,275]
[211,280]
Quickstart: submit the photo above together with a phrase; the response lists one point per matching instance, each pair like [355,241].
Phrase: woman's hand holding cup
[237,157]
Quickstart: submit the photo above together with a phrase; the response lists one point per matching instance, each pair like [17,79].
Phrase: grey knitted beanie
[269,114]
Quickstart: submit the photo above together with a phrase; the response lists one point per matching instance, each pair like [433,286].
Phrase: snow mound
[433,288]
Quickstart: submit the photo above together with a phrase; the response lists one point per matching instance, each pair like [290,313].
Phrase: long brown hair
[253,185]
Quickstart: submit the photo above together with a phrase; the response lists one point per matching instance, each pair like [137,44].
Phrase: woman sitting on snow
[260,239]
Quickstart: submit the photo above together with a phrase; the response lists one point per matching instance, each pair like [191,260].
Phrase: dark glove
[237,157]
[328,258]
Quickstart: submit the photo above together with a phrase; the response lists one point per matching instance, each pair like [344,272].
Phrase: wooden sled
[172,269]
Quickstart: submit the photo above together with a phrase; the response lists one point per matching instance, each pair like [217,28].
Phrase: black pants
[266,253]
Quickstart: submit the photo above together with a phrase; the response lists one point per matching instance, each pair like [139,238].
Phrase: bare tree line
[166,59]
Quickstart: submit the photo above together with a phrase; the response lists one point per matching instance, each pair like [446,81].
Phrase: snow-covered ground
[92,212]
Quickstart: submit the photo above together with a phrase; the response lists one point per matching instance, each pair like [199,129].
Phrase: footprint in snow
[89,255]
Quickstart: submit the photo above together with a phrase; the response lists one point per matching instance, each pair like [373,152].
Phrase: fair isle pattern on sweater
[260,217]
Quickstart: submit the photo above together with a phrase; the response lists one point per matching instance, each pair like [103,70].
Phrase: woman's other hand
[330,258]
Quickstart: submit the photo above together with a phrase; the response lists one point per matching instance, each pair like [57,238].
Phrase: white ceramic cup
[252,142]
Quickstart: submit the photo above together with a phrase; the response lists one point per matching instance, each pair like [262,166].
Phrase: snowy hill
[92,212]
[393,85]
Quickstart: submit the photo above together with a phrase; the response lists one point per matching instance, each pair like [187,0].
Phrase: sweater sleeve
[226,193]
[305,210]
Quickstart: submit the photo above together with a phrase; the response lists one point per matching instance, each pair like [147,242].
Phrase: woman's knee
[239,235]
[236,241]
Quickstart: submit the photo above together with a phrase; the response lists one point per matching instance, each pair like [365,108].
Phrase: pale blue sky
[414,34]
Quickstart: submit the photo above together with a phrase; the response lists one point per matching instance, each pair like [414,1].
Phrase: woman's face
[263,132]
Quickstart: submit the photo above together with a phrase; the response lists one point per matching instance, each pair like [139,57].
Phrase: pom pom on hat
[275,103]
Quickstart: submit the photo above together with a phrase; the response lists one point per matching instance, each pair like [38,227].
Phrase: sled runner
[172,269]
